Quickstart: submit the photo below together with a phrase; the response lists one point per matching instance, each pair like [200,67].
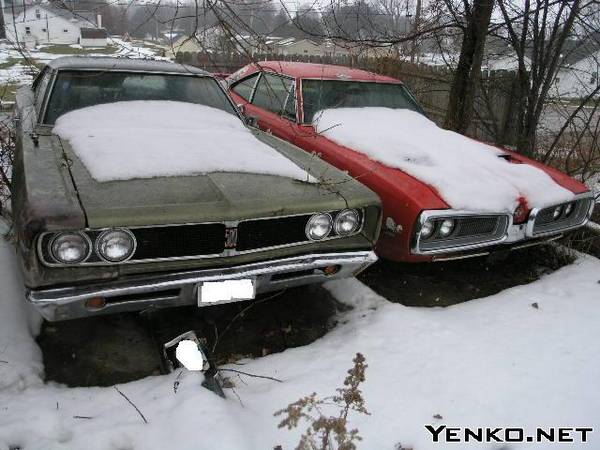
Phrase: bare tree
[537,34]
[468,72]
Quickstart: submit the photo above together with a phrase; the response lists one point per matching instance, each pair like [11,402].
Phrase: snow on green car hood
[148,139]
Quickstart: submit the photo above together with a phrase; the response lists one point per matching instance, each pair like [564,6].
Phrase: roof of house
[121,64]
[81,18]
[323,71]
[577,50]
[93,33]
[293,41]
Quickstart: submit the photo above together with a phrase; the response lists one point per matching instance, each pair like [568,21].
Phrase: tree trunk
[468,71]
[2,21]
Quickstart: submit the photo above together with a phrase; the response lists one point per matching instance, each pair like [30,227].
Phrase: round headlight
[427,229]
[347,222]
[557,212]
[115,245]
[446,227]
[318,227]
[569,209]
[70,248]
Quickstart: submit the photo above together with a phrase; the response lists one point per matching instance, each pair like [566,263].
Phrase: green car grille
[199,240]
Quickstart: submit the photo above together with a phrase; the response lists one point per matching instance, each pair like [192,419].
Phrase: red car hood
[428,197]
[559,177]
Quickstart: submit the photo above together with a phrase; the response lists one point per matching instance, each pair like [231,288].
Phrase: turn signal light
[95,303]
[331,270]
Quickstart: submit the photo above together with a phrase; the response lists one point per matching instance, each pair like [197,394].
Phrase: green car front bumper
[142,292]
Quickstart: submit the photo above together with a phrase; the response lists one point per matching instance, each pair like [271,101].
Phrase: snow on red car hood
[467,174]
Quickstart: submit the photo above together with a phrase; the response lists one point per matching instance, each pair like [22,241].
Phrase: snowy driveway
[498,361]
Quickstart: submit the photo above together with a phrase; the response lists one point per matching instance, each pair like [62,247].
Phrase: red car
[445,196]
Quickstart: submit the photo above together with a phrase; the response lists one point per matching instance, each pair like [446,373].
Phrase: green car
[137,185]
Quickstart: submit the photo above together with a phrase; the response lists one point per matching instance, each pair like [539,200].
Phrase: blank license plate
[228,290]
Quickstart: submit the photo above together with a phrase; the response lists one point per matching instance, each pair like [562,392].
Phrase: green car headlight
[116,245]
[318,227]
[347,222]
[70,248]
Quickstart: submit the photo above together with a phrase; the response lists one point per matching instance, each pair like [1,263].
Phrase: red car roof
[323,71]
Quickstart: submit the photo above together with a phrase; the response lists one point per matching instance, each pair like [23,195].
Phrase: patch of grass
[11,62]
[68,50]
[8,91]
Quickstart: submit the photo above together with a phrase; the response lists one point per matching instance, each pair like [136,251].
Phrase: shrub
[329,432]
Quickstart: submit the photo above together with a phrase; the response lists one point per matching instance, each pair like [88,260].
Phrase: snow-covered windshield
[318,95]
[80,89]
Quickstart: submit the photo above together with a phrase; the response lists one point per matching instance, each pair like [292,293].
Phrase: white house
[48,24]
[578,79]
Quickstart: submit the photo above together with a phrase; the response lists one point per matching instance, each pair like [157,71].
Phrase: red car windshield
[328,94]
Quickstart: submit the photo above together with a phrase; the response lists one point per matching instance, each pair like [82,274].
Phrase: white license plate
[223,291]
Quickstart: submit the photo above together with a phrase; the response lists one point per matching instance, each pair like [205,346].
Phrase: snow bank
[491,362]
[20,358]
[467,174]
[147,139]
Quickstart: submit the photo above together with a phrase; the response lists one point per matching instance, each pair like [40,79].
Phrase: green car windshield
[318,95]
[79,89]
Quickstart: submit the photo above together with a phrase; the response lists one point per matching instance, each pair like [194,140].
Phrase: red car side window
[272,93]
[245,87]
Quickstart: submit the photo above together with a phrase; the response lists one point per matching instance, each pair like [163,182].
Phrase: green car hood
[215,196]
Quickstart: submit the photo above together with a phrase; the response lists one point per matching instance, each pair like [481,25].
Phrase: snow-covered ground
[20,73]
[497,361]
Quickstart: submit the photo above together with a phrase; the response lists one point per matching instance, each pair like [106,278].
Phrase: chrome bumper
[493,249]
[178,289]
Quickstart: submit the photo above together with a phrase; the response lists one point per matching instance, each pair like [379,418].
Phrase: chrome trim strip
[457,257]
[510,248]
[534,243]
[69,302]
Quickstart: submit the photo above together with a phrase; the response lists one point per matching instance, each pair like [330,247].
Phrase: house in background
[208,40]
[293,46]
[579,72]
[46,23]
